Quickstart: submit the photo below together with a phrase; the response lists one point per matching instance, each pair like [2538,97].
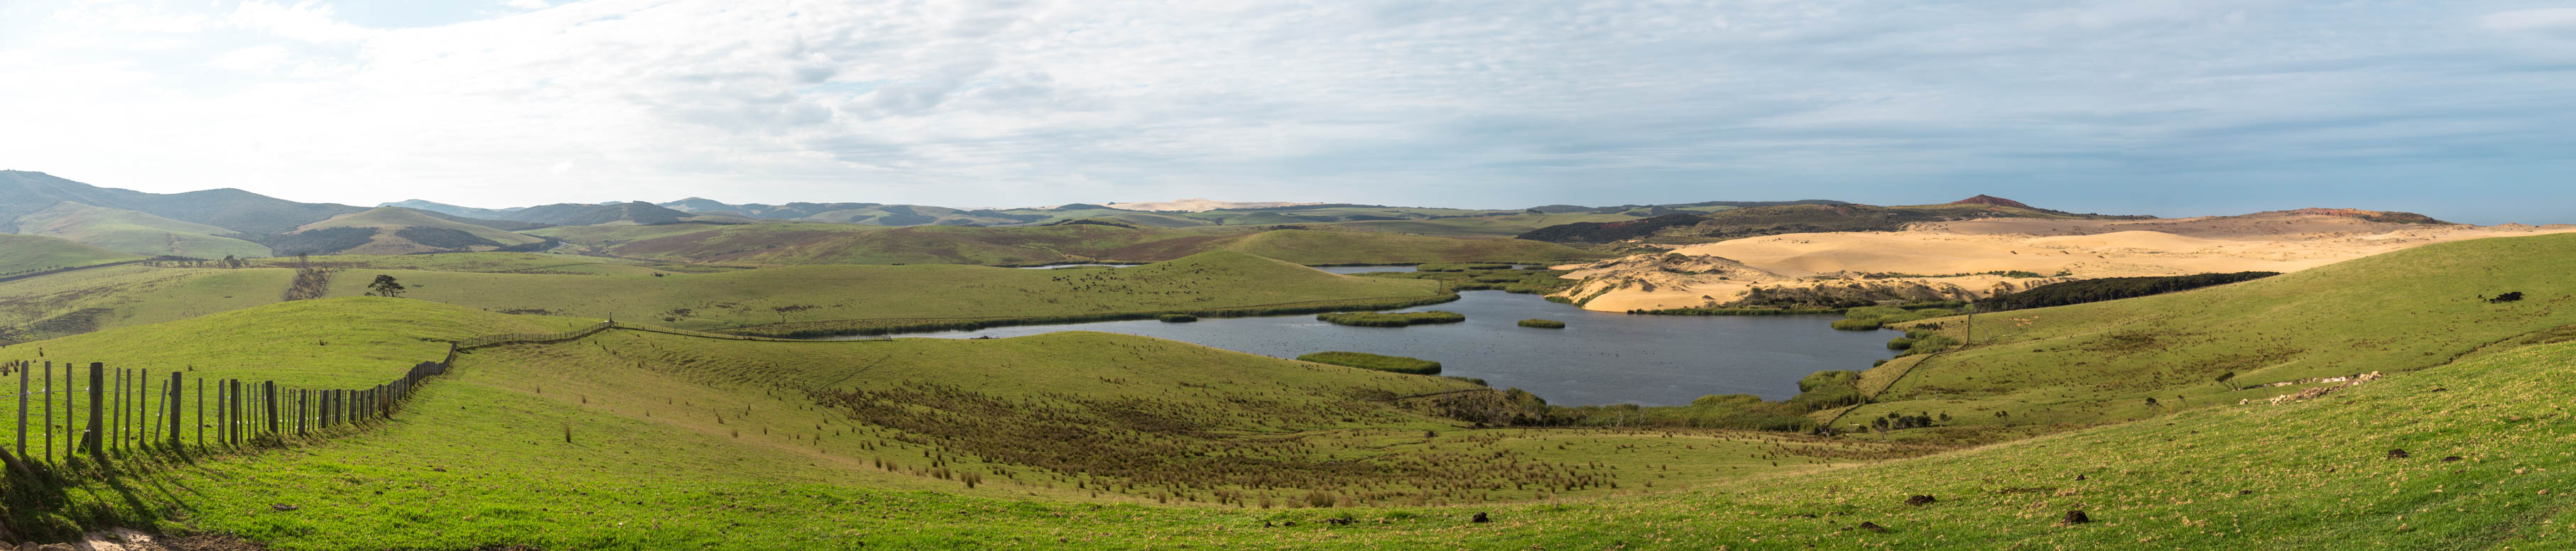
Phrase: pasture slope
[791,298]
[2129,359]
[26,254]
[694,441]
[648,439]
[137,232]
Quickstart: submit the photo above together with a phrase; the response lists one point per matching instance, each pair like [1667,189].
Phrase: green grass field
[1092,440]
[812,295]
[120,296]
[137,233]
[22,254]
[479,459]
[692,441]
[485,262]
[2098,362]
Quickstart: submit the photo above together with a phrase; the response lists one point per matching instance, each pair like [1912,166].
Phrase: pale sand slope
[2078,248]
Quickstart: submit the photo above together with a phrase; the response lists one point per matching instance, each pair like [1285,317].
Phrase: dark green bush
[2109,288]
[1364,360]
[1178,318]
[1543,324]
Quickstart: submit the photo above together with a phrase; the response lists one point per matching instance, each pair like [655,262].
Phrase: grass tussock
[1363,360]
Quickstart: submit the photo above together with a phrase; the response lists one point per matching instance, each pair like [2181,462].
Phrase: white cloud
[2547,19]
[308,21]
[1054,101]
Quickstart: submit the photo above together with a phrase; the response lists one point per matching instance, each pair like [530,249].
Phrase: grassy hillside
[88,300]
[486,262]
[806,244]
[21,254]
[680,441]
[480,460]
[880,295]
[23,193]
[136,232]
[2103,361]
[393,230]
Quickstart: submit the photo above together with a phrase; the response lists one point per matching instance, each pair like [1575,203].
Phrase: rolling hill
[23,193]
[860,298]
[394,230]
[805,244]
[137,232]
[700,442]
[25,254]
[2109,361]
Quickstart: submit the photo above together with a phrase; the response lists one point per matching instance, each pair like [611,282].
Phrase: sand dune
[2274,242]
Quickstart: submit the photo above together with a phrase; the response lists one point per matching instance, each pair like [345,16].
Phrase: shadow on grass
[81,494]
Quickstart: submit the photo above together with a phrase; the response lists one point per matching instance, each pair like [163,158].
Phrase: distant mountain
[23,193]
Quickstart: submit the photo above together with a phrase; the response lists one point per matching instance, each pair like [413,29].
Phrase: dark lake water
[1599,358]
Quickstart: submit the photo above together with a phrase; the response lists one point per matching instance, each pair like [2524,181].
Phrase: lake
[1599,358]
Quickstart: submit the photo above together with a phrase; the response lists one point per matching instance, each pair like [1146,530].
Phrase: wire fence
[70,412]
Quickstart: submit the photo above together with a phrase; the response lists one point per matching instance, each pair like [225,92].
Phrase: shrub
[1399,319]
[1543,324]
[2111,288]
[1900,343]
[1870,324]
[1363,360]
[1178,318]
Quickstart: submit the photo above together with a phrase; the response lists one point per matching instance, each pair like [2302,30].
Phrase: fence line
[130,412]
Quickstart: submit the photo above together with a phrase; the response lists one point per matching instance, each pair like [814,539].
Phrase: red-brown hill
[1983,199]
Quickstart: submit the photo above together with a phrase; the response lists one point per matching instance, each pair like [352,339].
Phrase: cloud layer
[2160,106]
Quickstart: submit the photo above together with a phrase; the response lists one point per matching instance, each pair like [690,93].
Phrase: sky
[2465,110]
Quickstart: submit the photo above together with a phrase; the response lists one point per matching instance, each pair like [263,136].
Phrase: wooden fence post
[271,391]
[173,404]
[201,412]
[232,405]
[23,391]
[95,439]
[116,405]
[143,409]
[49,412]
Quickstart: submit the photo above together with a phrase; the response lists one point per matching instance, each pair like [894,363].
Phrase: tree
[385,286]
